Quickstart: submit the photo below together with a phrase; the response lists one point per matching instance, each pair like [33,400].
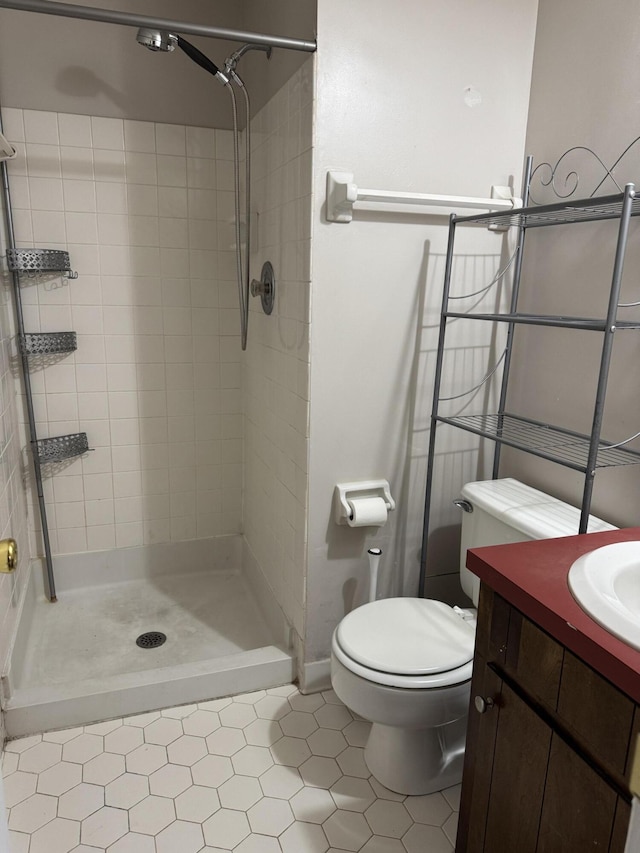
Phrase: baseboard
[315,676]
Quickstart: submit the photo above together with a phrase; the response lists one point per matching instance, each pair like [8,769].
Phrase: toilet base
[416,761]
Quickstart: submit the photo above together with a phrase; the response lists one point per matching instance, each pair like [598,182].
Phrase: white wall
[584,92]
[392,85]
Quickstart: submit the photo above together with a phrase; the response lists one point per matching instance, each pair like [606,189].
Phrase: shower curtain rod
[108,16]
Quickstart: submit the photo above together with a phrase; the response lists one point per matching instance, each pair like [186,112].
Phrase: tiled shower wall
[146,212]
[276,368]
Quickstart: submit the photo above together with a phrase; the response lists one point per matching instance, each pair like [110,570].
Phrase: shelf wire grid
[33,262]
[549,442]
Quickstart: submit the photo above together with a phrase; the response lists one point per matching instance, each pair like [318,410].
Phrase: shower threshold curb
[37,709]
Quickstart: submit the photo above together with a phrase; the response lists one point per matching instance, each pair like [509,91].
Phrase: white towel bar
[343,193]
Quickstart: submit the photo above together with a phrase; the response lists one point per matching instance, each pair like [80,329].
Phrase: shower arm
[109,16]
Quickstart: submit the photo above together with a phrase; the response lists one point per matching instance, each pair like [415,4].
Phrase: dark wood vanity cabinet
[549,745]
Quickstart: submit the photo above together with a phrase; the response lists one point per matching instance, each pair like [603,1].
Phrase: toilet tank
[509,511]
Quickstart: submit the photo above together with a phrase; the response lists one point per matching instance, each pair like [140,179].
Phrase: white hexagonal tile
[252,760]
[82,748]
[197,803]
[132,842]
[270,816]
[141,720]
[123,740]
[201,723]
[250,698]
[352,763]
[163,731]
[272,708]
[388,818]
[9,763]
[226,828]
[58,836]
[170,780]
[151,815]
[19,842]
[146,759]
[452,796]
[450,828]
[240,792]
[127,790]
[309,703]
[59,778]
[352,795]
[280,782]
[298,724]
[32,813]
[384,793]
[432,809]
[320,772]
[422,837]
[103,728]
[40,757]
[331,697]
[180,835]
[333,717]
[262,733]
[291,751]
[22,744]
[19,786]
[104,827]
[238,716]
[215,704]
[180,712]
[226,741]
[347,830]
[357,732]
[326,742]
[307,837]
[313,805]
[63,736]
[258,844]
[186,750]
[81,801]
[212,770]
[282,690]
[104,768]
[379,844]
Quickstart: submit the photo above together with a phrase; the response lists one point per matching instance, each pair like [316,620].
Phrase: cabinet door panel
[579,807]
[534,659]
[478,762]
[519,768]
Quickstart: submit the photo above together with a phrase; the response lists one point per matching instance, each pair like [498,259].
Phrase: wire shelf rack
[34,262]
[48,343]
[549,442]
[563,213]
[62,447]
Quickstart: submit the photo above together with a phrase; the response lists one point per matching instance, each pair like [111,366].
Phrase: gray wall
[72,66]
[585,85]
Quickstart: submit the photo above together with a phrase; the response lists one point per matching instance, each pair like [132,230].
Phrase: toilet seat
[406,642]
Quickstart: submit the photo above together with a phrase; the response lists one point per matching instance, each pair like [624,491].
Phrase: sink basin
[606,585]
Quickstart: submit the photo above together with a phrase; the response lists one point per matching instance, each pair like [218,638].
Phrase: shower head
[164,41]
[156,39]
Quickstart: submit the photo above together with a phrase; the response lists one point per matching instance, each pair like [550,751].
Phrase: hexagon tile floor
[268,772]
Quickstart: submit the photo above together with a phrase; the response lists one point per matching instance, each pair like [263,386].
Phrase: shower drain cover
[151,640]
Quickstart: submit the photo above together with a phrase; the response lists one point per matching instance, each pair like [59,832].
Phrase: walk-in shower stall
[162,412]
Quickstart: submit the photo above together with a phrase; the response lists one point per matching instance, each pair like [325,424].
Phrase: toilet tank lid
[528,510]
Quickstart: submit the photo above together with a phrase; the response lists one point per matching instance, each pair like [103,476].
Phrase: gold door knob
[8,555]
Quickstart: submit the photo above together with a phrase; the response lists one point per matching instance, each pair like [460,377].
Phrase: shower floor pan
[76,661]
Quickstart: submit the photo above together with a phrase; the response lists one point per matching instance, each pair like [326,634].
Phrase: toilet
[405,663]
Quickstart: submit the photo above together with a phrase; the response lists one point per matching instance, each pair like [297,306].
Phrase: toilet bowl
[405,664]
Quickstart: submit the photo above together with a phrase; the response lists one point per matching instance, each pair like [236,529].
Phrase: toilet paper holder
[345,492]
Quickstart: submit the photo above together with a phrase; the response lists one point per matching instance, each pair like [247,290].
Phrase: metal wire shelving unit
[585,453]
